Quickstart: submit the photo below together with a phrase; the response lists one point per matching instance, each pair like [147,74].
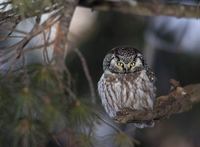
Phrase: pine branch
[62,32]
[144,8]
[179,100]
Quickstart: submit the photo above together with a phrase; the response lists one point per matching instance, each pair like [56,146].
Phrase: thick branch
[62,32]
[180,99]
[145,8]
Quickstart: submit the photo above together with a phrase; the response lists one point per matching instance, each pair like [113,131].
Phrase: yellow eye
[120,64]
[132,64]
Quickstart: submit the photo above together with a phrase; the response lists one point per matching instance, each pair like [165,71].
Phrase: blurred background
[171,47]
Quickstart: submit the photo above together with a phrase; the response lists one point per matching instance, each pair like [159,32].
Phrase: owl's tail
[149,124]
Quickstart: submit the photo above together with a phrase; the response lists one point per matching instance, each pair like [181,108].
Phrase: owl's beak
[126,68]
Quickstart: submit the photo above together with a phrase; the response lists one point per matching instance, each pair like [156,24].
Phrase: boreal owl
[127,82]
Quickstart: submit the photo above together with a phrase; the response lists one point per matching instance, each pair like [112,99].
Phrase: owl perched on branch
[127,82]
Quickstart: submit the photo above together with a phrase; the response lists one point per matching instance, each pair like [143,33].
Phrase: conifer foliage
[37,104]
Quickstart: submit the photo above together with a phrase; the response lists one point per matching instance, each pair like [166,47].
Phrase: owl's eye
[120,64]
[132,64]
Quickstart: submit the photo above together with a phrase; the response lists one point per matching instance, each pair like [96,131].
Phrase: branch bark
[144,8]
[62,32]
[180,99]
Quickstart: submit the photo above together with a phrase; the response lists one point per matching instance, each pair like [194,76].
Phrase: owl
[127,82]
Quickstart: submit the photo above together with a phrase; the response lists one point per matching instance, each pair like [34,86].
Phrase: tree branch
[62,32]
[87,75]
[180,99]
[144,8]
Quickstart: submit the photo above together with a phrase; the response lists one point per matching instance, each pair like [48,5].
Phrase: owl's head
[123,60]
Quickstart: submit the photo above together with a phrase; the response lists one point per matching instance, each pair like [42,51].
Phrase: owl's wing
[150,74]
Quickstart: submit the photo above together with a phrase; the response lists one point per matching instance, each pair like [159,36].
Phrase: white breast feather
[137,94]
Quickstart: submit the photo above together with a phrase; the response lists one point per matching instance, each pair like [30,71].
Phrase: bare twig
[14,30]
[87,74]
[45,49]
[39,46]
[11,53]
[69,77]
[180,99]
